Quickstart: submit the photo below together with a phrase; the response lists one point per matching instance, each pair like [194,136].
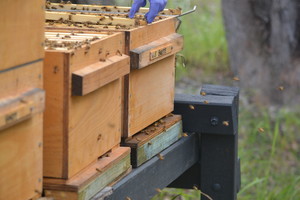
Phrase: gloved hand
[155,7]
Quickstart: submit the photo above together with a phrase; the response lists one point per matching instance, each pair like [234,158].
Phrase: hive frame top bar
[69,40]
[99,9]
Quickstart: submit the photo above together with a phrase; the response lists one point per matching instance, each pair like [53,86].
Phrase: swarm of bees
[54,44]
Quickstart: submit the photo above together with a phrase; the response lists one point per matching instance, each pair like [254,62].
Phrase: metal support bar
[142,182]
[214,115]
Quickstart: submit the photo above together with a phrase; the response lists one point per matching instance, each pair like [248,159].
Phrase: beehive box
[22,31]
[84,88]
[149,88]
[21,126]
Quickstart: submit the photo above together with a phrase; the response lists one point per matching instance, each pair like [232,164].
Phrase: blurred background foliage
[269,142]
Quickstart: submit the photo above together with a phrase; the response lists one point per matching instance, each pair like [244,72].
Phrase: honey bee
[195,187]
[185,135]
[105,26]
[261,130]
[73,8]
[61,6]
[115,7]
[111,18]
[128,198]
[107,54]
[72,53]
[280,88]
[53,8]
[119,53]
[191,107]
[205,102]
[226,123]
[235,78]
[203,93]
[100,51]
[102,60]
[57,35]
[149,143]
[158,190]
[98,170]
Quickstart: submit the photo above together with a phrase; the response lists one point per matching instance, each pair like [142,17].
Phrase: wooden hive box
[22,32]
[21,132]
[149,88]
[84,93]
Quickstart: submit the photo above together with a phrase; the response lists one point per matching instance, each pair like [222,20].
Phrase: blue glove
[155,7]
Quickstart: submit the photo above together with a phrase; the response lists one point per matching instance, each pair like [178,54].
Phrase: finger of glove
[162,3]
[136,6]
[154,10]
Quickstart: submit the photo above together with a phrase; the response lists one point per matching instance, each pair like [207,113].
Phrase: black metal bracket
[214,115]
[206,158]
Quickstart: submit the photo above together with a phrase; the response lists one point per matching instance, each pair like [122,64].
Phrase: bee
[115,7]
[57,35]
[280,88]
[95,10]
[137,139]
[171,11]
[149,143]
[235,78]
[70,17]
[72,53]
[102,60]
[61,6]
[205,102]
[261,130]
[128,198]
[100,51]
[191,107]
[203,93]
[156,124]
[107,54]
[158,190]
[161,121]
[98,170]
[99,137]
[111,18]
[54,8]
[105,26]
[102,18]
[103,8]
[119,53]
[184,134]
[73,8]
[195,187]
[225,123]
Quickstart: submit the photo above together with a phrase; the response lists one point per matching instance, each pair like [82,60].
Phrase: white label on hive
[161,51]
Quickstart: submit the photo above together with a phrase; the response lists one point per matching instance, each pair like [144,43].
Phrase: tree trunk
[263,41]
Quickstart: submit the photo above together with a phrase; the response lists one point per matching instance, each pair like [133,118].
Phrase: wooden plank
[14,110]
[98,115]
[153,130]
[92,180]
[21,32]
[154,139]
[99,74]
[120,9]
[91,19]
[143,35]
[155,51]
[21,159]
[151,94]
[55,118]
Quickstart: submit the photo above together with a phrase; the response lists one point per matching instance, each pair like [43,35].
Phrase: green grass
[205,46]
